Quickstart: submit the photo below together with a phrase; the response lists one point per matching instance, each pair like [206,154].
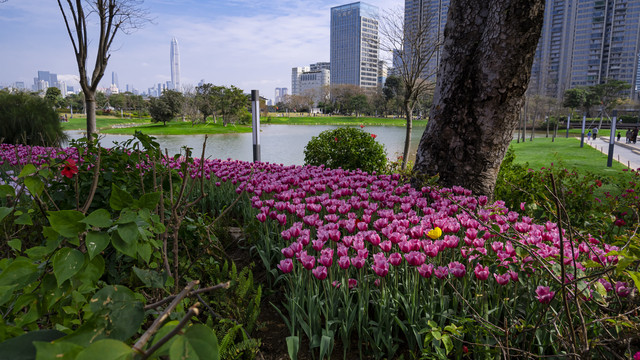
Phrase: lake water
[280,144]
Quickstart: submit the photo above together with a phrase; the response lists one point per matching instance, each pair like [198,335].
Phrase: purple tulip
[380,268]
[344,262]
[441,272]
[622,289]
[544,294]
[395,259]
[425,270]
[481,272]
[457,269]
[502,279]
[320,272]
[286,266]
[357,262]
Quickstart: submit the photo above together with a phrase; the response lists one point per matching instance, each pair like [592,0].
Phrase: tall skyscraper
[434,13]
[583,43]
[114,79]
[606,44]
[354,45]
[175,65]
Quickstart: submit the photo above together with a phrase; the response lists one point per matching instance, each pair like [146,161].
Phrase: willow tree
[113,16]
[414,45]
[487,55]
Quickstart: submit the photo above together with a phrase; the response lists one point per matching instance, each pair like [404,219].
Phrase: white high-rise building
[175,65]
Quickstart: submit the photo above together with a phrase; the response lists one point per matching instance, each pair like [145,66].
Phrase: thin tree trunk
[486,64]
[90,104]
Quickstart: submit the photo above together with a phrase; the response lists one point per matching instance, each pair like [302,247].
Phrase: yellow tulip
[435,233]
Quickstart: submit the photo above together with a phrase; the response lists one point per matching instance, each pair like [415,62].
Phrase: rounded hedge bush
[348,148]
[30,120]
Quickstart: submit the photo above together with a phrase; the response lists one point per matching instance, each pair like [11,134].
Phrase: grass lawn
[180,128]
[542,152]
[79,122]
[338,120]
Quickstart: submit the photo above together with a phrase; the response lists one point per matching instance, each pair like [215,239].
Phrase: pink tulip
[344,262]
[395,259]
[544,294]
[288,252]
[457,269]
[357,262]
[262,217]
[415,258]
[320,272]
[502,279]
[441,272]
[425,270]
[286,266]
[308,261]
[352,283]
[380,268]
[481,272]
[622,289]
[386,246]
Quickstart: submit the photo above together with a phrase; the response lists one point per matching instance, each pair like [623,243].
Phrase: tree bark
[407,139]
[486,63]
[90,104]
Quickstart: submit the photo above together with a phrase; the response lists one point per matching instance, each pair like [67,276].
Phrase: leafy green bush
[348,148]
[30,120]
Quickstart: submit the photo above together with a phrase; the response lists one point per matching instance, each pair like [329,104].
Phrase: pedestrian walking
[595,133]
[618,135]
[589,135]
[627,135]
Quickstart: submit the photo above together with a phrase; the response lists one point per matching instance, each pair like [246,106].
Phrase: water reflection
[282,144]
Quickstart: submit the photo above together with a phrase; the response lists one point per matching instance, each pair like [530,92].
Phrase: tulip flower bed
[392,270]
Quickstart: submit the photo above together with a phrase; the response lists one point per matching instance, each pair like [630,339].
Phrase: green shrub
[348,148]
[30,120]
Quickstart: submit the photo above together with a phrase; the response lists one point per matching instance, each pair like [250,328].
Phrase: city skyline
[243,43]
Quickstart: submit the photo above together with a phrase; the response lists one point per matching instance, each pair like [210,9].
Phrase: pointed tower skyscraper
[175,65]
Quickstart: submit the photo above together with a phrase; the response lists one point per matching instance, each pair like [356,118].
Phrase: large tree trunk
[407,139]
[90,104]
[488,51]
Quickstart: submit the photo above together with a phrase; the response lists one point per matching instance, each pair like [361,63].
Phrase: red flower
[465,349]
[336,139]
[374,136]
[598,183]
[69,169]
[361,126]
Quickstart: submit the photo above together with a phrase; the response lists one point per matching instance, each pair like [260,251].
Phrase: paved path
[626,154]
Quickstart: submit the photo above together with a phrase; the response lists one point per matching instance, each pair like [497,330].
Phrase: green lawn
[79,122]
[180,128]
[542,152]
[338,120]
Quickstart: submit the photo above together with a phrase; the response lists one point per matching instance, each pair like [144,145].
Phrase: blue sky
[249,44]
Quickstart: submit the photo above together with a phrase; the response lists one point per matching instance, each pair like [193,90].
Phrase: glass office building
[354,45]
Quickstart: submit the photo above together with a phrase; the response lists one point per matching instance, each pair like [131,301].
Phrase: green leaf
[96,242]
[56,350]
[37,252]
[15,244]
[120,199]
[107,349]
[99,218]
[128,232]
[67,222]
[66,263]
[24,219]
[144,251]
[34,184]
[198,342]
[27,170]
[128,249]
[149,201]
[448,344]
[636,278]
[22,348]
[20,272]
[164,330]
[293,346]
[91,273]
[6,190]
[4,211]
[6,293]
[150,278]
[124,313]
